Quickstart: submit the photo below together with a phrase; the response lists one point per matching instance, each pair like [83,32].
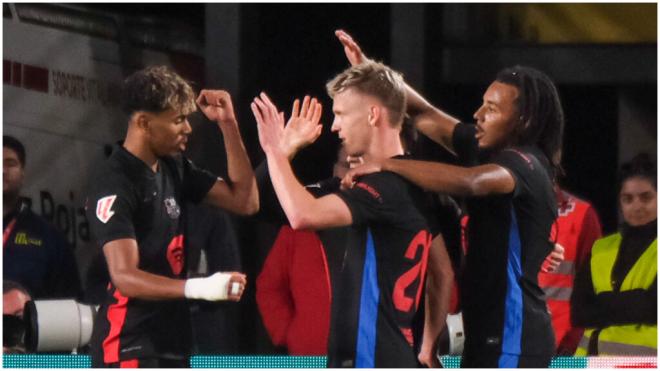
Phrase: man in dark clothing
[35,254]
[376,296]
[510,156]
[136,208]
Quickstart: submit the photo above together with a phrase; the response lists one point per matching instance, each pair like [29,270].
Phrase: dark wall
[289,50]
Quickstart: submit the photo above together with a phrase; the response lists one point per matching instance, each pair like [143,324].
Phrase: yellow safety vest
[628,340]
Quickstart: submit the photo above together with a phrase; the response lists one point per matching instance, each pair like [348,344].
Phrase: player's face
[351,123]
[639,202]
[168,132]
[497,116]
[12,172]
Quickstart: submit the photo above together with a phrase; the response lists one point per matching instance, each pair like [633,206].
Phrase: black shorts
[147,363]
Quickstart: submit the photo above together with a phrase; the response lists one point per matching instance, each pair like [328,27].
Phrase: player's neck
[139,149]
[385,144]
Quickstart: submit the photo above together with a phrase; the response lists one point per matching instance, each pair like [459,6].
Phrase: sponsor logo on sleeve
[104,208]
[371,190]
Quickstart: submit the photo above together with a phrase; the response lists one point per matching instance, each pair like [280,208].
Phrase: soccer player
[511,155]
[375,297]
[136,208]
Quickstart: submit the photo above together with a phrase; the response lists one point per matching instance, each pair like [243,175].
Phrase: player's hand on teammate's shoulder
[217,106]
[353,174]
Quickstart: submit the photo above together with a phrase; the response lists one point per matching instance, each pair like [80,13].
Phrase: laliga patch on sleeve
[104,208]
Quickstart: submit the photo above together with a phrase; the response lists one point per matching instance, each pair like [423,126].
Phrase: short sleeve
[465,144]
[196,182]
[521,166]
[111,204]
[373,198]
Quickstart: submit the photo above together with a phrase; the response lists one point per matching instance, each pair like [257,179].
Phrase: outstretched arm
[429,120]
[240,194]
[301,208]
[474,181]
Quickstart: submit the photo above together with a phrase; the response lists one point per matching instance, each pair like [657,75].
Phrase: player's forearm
[296,201]
[433,176]
[242,180]
[138,284]
[438,293]
[474,181]
[429,120]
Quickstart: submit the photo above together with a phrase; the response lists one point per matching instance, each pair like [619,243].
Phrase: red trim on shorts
[116,317]
[131,363]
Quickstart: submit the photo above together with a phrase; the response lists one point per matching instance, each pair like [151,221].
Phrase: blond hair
[377,80]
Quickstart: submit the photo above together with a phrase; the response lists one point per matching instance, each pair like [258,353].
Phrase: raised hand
[351,48]
[303,127]
[270,124]
[216,106]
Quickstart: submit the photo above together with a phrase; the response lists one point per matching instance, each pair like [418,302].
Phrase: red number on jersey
[402,302]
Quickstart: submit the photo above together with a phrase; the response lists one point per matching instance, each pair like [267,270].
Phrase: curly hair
[377,80]
[157,89]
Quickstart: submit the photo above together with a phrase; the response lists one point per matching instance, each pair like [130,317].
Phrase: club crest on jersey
[173,210]
[104,208]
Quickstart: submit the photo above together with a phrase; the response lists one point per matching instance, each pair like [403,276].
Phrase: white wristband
[212,288]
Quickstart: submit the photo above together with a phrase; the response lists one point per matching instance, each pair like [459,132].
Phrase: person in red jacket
[293,288]
[576,229]
[293,291]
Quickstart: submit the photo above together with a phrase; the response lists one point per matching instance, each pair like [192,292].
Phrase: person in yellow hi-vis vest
[615,295]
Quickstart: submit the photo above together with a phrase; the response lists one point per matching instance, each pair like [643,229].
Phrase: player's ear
[141,120]
[374,115]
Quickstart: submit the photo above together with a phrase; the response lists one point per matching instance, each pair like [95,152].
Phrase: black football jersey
[127,200]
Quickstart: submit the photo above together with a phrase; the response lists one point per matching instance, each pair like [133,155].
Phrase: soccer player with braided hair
[509,158]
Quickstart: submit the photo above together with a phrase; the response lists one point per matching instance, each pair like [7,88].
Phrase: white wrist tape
[235,288]
[212,288]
